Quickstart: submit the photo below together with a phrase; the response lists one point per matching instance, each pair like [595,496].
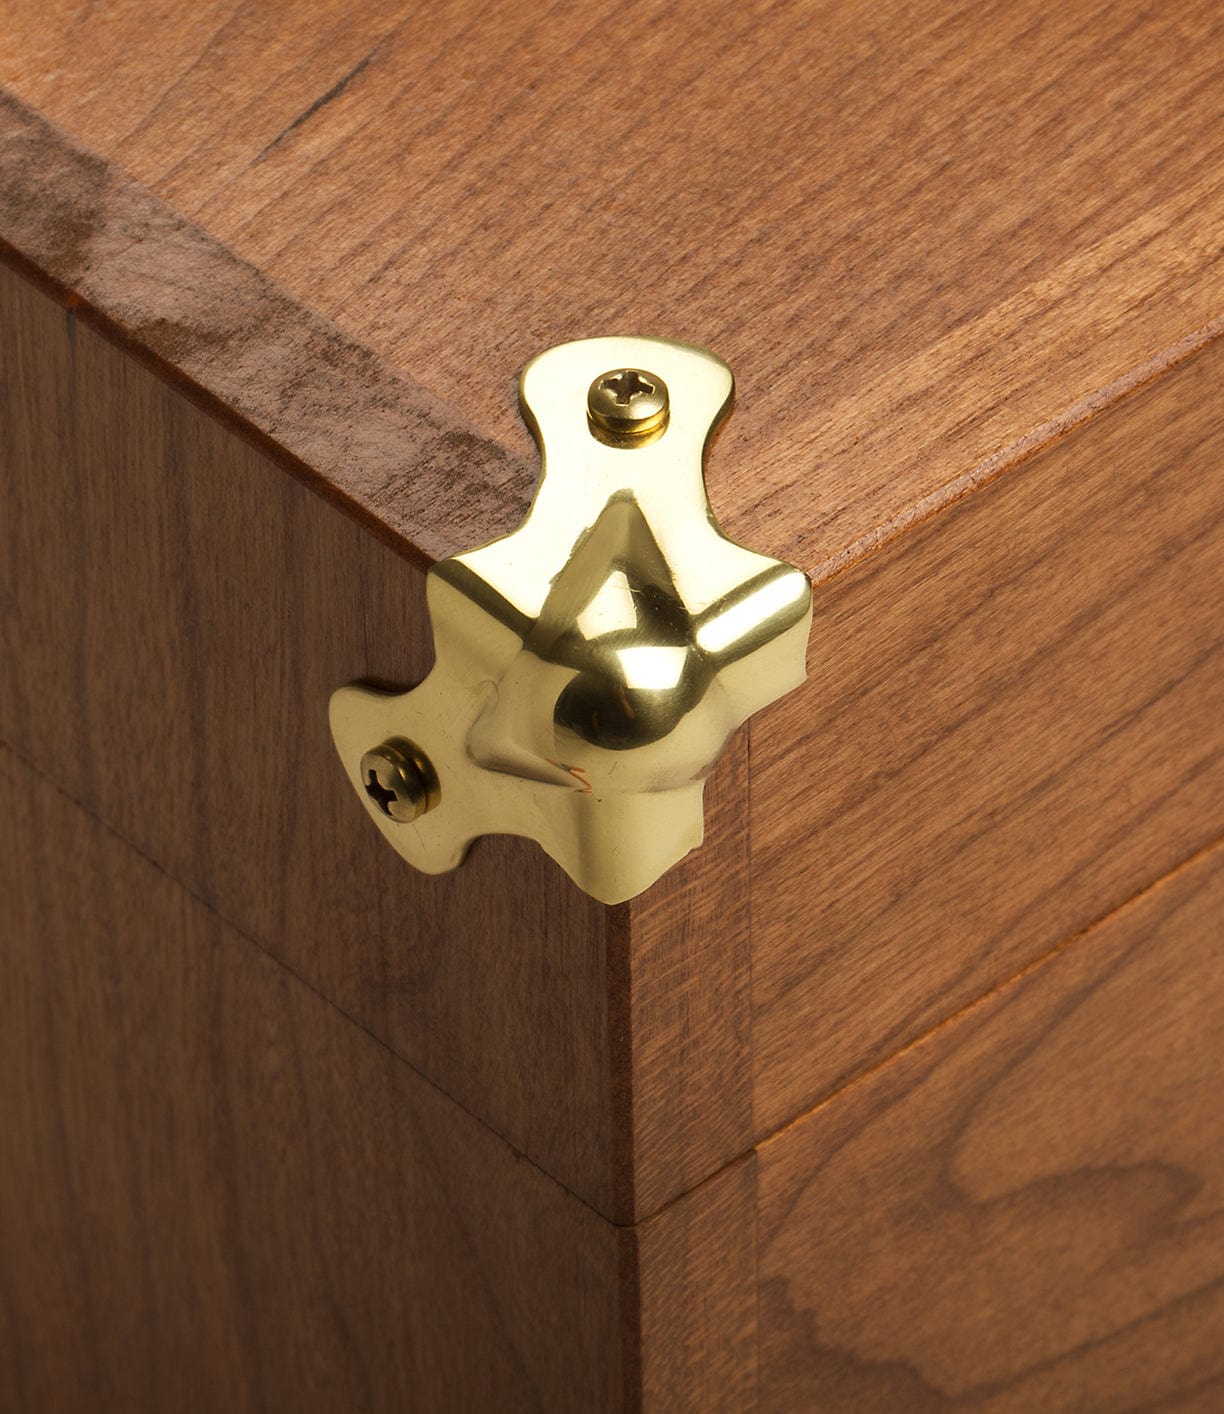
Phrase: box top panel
[926,238]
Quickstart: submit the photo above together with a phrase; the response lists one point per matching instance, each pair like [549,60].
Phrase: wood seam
[1012,980]
[32,767]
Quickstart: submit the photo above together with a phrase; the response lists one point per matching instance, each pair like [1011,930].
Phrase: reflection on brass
[591,665]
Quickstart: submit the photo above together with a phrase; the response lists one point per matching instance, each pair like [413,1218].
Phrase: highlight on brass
[592,664]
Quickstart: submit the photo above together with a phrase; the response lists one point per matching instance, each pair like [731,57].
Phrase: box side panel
[177,611]
[697,1298]
[688,989]
[216,1193]
[1026,1210]
[1014,718]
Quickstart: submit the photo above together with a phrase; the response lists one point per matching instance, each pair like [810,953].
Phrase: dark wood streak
[224,334]
[319,103]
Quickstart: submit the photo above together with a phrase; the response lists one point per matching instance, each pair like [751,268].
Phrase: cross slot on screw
[626,405]
[399,780]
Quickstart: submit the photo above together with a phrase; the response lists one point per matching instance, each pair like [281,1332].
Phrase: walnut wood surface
[218,1194]
[352,427]
[1014,718]
[313,394]
[932,242]
[687,998]
[924,236]
[697,1284]
[181,610]
[1025,1211]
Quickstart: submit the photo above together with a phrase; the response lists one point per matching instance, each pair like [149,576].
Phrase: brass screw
[629,403]
[399,780]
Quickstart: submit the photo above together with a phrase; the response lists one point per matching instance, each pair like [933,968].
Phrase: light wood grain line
[1080,936]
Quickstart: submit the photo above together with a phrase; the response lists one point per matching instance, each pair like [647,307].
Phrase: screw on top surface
[628,402]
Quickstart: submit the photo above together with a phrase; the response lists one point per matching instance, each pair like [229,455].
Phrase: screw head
[399,780]
[629,403]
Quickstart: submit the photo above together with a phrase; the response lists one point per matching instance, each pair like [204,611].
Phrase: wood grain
[697,1297]
[181,610]
[687,994]
[1014,718]
[330,413]
[1025,1211]
[921,235]
[218,1194]
[337,415]
[946,250]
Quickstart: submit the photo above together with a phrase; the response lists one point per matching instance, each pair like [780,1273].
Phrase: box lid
[923,238]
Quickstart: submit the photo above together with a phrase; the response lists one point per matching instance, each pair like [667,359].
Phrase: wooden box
[904,1091]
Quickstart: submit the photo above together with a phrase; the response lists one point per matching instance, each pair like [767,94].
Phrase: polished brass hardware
[400,780]
[591,665]
[628,403]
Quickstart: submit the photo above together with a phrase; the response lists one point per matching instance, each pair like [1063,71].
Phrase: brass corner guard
[592,665]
